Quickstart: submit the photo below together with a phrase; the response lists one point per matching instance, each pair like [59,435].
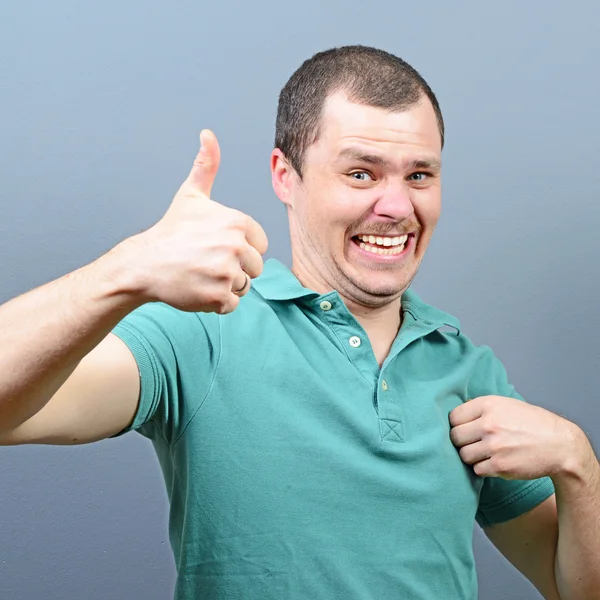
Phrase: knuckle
[228,305]
[499,465]
[216,295]
[253,269]
[221,271]
[489,426]
[233,273]
[237,219]
[238,247]
[464,454]
[219,305]
[203,161]
[259,267]
[494,446]
[222,309]
[488,403]
[216,272]
[212,300]
[479,469]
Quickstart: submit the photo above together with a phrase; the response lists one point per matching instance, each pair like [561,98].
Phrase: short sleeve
[177,355]
[502,499]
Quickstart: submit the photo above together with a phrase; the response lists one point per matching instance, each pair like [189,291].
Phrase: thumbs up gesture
[201,256]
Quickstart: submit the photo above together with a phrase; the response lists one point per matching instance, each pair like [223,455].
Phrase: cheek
[428,207]
[330,205]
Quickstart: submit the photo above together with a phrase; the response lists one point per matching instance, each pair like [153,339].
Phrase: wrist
[118,277]
[578,462]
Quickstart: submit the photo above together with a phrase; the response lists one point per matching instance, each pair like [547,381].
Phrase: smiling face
[369,199]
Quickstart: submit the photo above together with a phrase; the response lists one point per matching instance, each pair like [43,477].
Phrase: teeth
[384,241]
[382,251]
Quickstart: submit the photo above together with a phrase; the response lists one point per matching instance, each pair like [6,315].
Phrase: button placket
[391,415]
[347,332]
[354,341]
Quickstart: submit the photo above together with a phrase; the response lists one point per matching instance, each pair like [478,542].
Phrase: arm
[98,400]
[529,543]
[46,333]
[65,379]
[578,501]
[555,545]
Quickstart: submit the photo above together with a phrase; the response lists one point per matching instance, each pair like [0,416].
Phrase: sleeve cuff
[521,502]
[148,373]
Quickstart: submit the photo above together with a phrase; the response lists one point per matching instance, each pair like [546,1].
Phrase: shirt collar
[277,282]
[426,313]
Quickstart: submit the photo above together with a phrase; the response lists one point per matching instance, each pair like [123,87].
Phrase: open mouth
[382,245]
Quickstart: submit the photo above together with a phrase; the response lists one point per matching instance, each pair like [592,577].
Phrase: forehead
[344,123]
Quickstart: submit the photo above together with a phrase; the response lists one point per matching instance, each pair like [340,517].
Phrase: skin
[397,190]
[68,380]
[341,196]
[555,544]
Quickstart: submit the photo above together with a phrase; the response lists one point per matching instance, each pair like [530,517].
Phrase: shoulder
[448,345]
[161,325]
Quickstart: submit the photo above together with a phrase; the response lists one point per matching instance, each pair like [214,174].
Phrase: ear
[283,177]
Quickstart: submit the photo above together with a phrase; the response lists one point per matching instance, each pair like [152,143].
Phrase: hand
[508,438]
[200,253]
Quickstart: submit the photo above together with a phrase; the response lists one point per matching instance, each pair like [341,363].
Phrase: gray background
[100,107]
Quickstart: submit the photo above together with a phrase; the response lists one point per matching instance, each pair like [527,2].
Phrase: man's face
[369,200]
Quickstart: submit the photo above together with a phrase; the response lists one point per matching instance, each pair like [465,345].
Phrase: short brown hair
[369,76]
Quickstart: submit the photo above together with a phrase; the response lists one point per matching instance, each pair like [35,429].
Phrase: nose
[394,203]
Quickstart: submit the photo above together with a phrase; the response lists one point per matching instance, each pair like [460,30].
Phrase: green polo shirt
[296,467]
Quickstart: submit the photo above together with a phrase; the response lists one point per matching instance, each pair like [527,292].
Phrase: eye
[360,176]
[420,176]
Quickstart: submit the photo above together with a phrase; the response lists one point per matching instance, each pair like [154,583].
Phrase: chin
[381,287]
[391,292]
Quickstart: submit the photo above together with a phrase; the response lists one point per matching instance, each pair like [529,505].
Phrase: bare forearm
[47,331]
[578,504]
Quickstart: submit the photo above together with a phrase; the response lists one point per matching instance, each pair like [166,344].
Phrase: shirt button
[325,305]
[354,341]
[384,385]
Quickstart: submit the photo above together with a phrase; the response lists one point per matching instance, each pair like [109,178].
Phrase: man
[321,437]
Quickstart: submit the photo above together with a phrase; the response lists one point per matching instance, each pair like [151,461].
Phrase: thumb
[206,163]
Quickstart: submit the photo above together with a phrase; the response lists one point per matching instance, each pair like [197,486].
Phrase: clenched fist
[508,438]
[201,255]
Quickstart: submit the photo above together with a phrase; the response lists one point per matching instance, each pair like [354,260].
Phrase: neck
[381,323]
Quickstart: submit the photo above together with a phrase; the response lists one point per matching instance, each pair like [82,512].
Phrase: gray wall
[100,106]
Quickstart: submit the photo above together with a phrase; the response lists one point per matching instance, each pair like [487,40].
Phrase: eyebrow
[359,155]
